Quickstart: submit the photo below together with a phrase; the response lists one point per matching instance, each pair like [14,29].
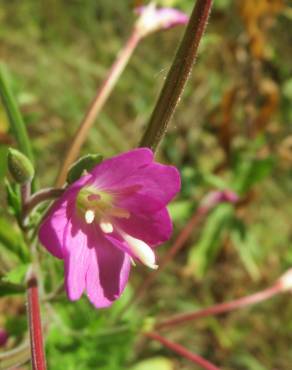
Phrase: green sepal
[84,164]
[16,275]
[13,198]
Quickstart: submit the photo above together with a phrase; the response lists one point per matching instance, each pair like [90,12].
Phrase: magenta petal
[153,229]
[76,260]
[164,18]
[111,171]
[107,274]
[170,17]
[116,239]
[158,185]
[51,232]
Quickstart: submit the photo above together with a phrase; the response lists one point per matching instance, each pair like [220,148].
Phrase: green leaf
[16,275]
[247,246]
[13,198]
[11,239]
[222,4]
[4,121]
[9,289]
[180,210]
[215,181]
[203,253]
[15,118]
[287,89]
[3,161]
[251,172]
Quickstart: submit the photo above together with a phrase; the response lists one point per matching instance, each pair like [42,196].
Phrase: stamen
[89,216]
[106,227]
[133,263]
[141,250]
[119,212]
[129,190]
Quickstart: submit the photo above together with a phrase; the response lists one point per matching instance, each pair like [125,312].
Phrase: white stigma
[89,216]
[106,227]
[141,250]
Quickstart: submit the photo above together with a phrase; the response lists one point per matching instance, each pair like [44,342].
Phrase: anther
[106,227]
[89,216]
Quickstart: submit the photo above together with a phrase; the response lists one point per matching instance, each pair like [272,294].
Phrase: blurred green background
[232,130]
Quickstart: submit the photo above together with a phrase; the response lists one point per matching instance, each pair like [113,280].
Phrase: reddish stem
[182,351]
[35,326]
[222,307]
[39,197]
[97,104]
[25,190]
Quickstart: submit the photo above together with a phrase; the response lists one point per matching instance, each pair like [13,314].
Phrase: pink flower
[219,196]
[153,19]
[109,218]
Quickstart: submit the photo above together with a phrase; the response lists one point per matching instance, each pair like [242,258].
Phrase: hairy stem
[177,76]
[222,307]
[35,326]
[97,104]
[25,190]
[182,351]
[39,197]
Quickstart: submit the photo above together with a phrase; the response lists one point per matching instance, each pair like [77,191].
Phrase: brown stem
[222,307]
[39,197]
[35,326]
[177,75]
[25,191]
[182,351]
[97,104]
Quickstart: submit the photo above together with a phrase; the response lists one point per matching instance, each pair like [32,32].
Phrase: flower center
[98,206]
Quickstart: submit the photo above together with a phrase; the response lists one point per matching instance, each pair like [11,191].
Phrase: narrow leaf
[16,275]
[203,253]
[12,240]
[15,118]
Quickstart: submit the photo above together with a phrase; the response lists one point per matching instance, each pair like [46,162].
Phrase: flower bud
[229,196]
[20,167]
[85,163]
[213,198]
[152,19]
